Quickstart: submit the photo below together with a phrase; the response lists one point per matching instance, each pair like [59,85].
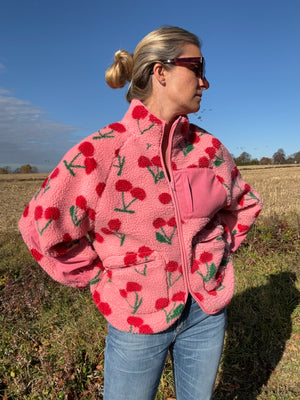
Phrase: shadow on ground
[259,325]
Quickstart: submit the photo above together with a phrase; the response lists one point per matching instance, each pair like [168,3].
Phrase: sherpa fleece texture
[112,217]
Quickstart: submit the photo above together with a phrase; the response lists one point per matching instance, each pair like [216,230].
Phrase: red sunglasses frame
[196,64]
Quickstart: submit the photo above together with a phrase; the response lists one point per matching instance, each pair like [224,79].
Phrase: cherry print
[37,255]
[145,329]
[161,303]
[100,188]
[135,321]
[118,127]
[87,149]
[165,198]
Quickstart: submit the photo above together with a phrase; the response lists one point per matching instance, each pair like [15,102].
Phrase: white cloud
[27,135]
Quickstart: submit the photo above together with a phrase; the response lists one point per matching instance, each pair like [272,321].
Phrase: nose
[204,83]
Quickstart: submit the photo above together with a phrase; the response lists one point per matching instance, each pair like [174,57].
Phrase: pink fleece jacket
[112,217]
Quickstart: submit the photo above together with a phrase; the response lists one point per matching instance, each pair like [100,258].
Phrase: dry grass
[279,187]
[16,190]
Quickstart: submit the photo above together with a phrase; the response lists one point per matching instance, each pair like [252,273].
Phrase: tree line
[279,157]
[24,169]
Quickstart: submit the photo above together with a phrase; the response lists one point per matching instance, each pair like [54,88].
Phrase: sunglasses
[195,64]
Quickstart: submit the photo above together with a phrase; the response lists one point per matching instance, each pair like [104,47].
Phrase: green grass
[52,337]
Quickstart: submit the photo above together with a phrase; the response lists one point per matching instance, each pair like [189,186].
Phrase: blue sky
[53,56]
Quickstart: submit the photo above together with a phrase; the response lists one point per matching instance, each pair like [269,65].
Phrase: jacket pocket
[135,286]
[210,258]
[199,192]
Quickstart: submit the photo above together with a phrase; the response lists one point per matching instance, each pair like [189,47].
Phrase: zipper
[170,178]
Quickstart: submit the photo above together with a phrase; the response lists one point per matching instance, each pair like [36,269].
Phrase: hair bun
[120,71]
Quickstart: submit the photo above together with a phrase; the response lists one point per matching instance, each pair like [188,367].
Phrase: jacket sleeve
[58,223]
[243,203]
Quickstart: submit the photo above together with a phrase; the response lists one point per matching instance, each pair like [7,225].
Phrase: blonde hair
[162,44]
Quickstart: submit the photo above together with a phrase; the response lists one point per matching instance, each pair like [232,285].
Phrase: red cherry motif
[55,173]
[100,188]
[206,257]
[172,266]
[211,151]
[52,213]
[156,161]
[135,321]
[145,329]
[26,211]
[212,293]
[247,188]
[203,162]
[123,293]
[104,308]
[81,202]
[87,149]
[138,193]
[90,165]
[195,266]
[243,228]
[123,185]
[118,127]
[133,287]
[38,213]
[154,119]
[180,296]
[161,303]
[99,238]
[67,238]
[216,143]
[91,214]
[38,256]
[130,258]
[139,112]
[44,184]
[114,224]
[199,296]
[165,198]
[220,179]
[154,166]
[174,166]
[144,251]
[172,222]
[144,162]
[158,223]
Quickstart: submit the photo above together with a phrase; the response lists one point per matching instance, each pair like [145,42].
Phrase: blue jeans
[134,363]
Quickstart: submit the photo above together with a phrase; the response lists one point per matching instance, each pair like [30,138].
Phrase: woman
[147,212]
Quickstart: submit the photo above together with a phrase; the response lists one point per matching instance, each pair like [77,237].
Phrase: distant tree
[5,170]
[28,169]
[265,161]
[254,161]
[244,158]
[279,157]
[296,157]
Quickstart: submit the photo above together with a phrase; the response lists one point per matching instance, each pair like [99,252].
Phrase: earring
[163,83]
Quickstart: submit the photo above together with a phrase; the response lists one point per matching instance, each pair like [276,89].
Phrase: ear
[159,72]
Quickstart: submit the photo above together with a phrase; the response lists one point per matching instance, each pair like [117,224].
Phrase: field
[52,337]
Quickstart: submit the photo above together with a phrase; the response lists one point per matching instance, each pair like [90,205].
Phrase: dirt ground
[15,193]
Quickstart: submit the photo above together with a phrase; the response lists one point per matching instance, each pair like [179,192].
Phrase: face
[183,89]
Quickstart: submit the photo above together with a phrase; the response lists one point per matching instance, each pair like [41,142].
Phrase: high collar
[141,122]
